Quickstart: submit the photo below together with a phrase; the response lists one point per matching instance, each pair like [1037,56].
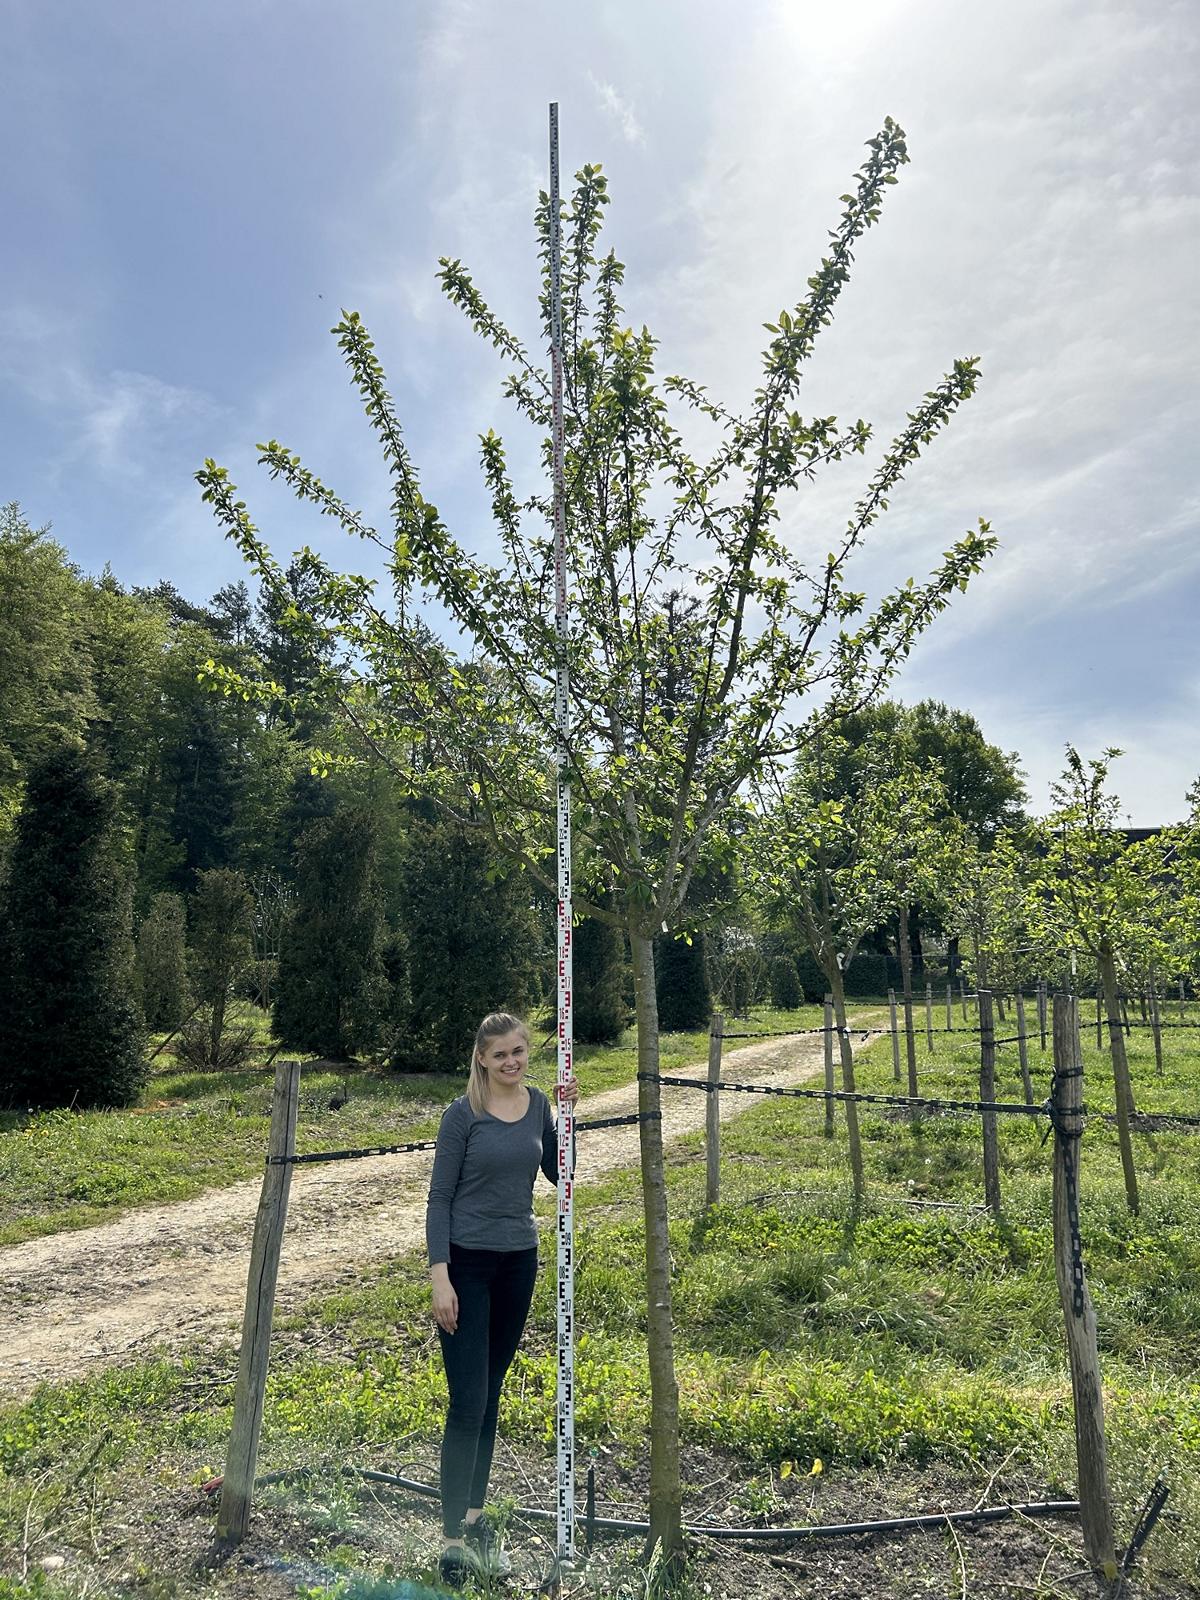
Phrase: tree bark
[839,1011]
[665,1490]
[910,1037]
[1121,1083]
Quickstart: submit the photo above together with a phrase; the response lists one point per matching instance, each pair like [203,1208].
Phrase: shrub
[221,913]
[681,979]
[194,1048]
[162,964]
[598,954]
[786,993]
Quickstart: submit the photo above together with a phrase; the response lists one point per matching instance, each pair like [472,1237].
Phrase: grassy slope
[905,1336]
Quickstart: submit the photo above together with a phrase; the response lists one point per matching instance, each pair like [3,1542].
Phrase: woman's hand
[568,1091]
[445,1300]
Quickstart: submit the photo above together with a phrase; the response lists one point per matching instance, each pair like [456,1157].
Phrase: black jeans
[494,1288]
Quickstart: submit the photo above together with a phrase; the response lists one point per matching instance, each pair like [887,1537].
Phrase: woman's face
[504,1059]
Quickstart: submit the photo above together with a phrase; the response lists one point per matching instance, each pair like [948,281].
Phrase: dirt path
[167,1274]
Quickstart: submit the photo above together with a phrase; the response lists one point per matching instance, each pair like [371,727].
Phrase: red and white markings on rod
[565,1405]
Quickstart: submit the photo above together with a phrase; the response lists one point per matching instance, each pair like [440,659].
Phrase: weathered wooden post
[1156,1023]
[929,1016]
[987,1092]
[895,1035]
[1023,1049]
[1000,1007]
[829,1080]
[910,1037]
[962,995]
[1066,1110]
[949,1006]
[237,1489]
[712,1113]
[1041,1005]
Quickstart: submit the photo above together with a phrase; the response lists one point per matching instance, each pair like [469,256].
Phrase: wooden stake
[949,1006]
[929,1016]
[1066,1100]
[895,1035]
[829,1080]
[237,1490]
[910,1037]
[1041,1005]
[987,1092]
[1156,1023]
[1023,1049]
[712,1113]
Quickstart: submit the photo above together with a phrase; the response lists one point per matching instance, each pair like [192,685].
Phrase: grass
[913,1335]
[193,1130]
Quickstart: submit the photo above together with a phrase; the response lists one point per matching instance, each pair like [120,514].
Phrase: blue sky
[193,191]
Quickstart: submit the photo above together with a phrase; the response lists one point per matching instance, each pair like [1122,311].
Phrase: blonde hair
[495,1024]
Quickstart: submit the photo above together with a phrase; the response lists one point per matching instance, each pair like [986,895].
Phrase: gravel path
[167,1274]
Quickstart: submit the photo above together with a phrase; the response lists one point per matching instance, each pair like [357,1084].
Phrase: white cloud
[619,109]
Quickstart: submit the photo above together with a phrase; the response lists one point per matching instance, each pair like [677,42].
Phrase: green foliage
[867,975]
[475,944]
[70,1032]
[162,964]
[786,993]
[681,977]
[332,995]
[598,958]
[221,916]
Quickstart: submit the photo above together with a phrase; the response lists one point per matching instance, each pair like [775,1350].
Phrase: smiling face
[504,1058]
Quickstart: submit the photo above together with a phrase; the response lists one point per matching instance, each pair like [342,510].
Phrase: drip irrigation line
[907,1102]
[830,1530]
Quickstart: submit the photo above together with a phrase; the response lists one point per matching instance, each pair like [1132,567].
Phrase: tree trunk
[910,1038]
[914,941]
[952,957]
[665,1491]
[987,1088]
[839,1012]
[1121,1083]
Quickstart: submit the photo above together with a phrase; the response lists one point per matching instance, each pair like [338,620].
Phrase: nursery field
[833,1366]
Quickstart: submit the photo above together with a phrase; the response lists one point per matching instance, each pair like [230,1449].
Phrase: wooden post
[1023,1049]
[1125,1018]
[962,995]
[1156,1023]
[1142,1003]
[1066,1097]
[987,1091]
[910,1037]
[237,1490]
[1041,1005]
[712,1113]
[829,1081]
[895,1035]
[949,1006]
[929,1016]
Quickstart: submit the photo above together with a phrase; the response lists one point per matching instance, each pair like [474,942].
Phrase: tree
[1093,892]
[786,993]
[222,911]
[162,964]
[70,1033]
[332,994]
[773,639]
[474,939]
[681,978]
[598,957]
[836,869]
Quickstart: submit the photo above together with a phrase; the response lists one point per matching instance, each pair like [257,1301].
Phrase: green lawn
[910,1338]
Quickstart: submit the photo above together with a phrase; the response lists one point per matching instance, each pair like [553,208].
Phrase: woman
[483,1262]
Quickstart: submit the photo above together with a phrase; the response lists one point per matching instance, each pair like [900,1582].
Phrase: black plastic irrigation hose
[831,1530]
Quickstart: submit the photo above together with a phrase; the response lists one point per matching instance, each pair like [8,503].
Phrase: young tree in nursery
[681,979]
[836,869]
[674,705]
[598,955]
[1093,892]
[162,964]
[70,1032]
[222,909]
[786,993]
[332,994]
[474,941]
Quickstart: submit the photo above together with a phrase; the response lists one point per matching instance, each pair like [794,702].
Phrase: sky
[192,192]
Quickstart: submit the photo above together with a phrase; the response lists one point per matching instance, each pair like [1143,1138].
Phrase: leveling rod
[565,1402]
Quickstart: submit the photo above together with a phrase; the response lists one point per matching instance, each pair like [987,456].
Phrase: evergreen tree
[332,994]
[681,975]
[221,920]
[786,993]
[162,964]
[475,943]
[598,954]
[70,1033]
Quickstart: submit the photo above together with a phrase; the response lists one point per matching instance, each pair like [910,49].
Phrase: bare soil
[164,1276]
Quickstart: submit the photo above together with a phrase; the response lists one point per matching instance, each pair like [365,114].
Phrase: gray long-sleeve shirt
[481,1191]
